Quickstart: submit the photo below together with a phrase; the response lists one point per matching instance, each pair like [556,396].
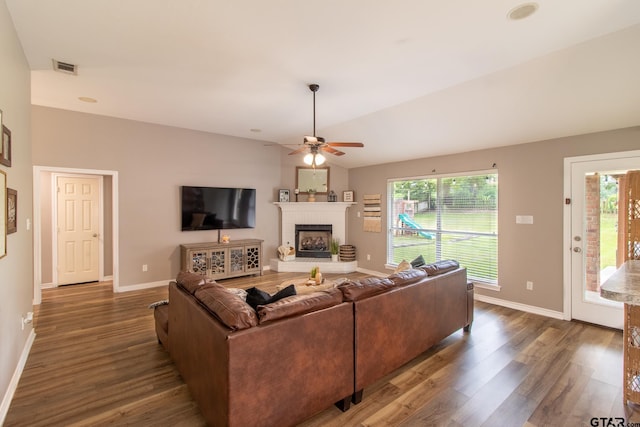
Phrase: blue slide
[412,224]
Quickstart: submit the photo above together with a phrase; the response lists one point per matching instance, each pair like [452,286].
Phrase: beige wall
[16,269]
[531,183]
[152,162]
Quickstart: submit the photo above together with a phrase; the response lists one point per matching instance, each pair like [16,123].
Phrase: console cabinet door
[253,262]
[218,263]
[198,261]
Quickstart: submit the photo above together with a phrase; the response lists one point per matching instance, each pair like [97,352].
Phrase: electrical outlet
[368,257]
[529,286]
[145,267]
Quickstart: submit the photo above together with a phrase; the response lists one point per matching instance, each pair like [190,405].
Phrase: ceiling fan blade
[345,144]
[331,150]
[299,150]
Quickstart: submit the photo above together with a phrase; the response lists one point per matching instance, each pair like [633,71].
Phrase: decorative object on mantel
[347,253]
[335,249]
[283,195]
[226,238]
[347,196]
[332,196]
[312,195]
[372,215]
[286,253]
[12,210]
[5,156]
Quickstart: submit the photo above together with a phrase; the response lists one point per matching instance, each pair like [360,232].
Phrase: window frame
[392,228]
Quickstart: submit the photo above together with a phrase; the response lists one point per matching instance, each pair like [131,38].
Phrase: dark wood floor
[96,361]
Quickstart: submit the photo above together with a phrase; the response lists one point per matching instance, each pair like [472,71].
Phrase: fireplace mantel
[293,213]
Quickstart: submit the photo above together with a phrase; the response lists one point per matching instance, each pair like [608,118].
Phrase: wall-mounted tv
[216,208]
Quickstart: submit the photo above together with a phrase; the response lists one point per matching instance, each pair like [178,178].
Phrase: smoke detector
[65,67]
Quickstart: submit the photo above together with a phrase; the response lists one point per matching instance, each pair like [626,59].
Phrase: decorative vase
[334,257]
[311,198]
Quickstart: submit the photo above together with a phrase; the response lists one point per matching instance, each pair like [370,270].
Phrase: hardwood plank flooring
[96,361]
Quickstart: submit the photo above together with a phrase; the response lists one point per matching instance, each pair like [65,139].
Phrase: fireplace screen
[313,240]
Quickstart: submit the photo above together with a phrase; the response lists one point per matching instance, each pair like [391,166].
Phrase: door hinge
[567,201]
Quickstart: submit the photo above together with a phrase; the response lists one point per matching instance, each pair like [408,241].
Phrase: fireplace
[313,240]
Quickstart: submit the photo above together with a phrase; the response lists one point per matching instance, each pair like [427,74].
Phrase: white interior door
[587,275]
[78,229]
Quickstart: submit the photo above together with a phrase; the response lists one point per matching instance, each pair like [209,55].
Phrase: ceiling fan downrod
[314,88]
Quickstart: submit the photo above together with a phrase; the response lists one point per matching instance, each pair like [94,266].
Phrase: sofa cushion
[299,304]
[256,297]
[359,289]
[418,262]
[440,267]
[191,282]
[227,307]
[406,277]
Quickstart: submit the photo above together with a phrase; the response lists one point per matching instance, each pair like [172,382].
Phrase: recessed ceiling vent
[522,11]
[65,67]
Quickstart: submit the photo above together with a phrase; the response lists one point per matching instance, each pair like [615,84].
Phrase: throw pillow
[256,297]
[404,265]
[240,293]
[159,303]
[418,262]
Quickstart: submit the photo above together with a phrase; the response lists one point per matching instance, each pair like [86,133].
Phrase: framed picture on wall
[12,210]
[347,196]
[283,195]
[3,213]
[5,157]
[1,126]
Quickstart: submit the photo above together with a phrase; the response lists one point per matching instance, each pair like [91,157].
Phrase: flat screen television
[216,208]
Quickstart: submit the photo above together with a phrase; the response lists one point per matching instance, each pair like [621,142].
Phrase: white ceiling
[409,78]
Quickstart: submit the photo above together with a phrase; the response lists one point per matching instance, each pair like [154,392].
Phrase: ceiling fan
[315,144]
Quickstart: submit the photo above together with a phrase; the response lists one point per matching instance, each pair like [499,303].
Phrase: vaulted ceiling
[409,78]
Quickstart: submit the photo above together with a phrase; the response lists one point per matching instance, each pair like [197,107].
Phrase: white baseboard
[13,385]
[521,307]
[48,285]
[141,286]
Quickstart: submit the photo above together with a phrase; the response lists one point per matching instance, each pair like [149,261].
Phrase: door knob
[95,234]
[577,249]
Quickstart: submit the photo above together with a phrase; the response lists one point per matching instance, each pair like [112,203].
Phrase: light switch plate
[524,219]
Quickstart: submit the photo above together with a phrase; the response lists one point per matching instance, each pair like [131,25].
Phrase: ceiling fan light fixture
[308,159]
[314,159]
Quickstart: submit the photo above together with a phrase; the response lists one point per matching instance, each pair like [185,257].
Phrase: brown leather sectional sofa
[290,359]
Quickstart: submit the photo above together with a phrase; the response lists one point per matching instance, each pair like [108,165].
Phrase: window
[446,217]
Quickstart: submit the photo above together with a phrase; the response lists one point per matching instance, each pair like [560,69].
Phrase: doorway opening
[45,252]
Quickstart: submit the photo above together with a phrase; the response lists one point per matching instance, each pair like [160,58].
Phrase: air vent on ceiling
[65,67]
